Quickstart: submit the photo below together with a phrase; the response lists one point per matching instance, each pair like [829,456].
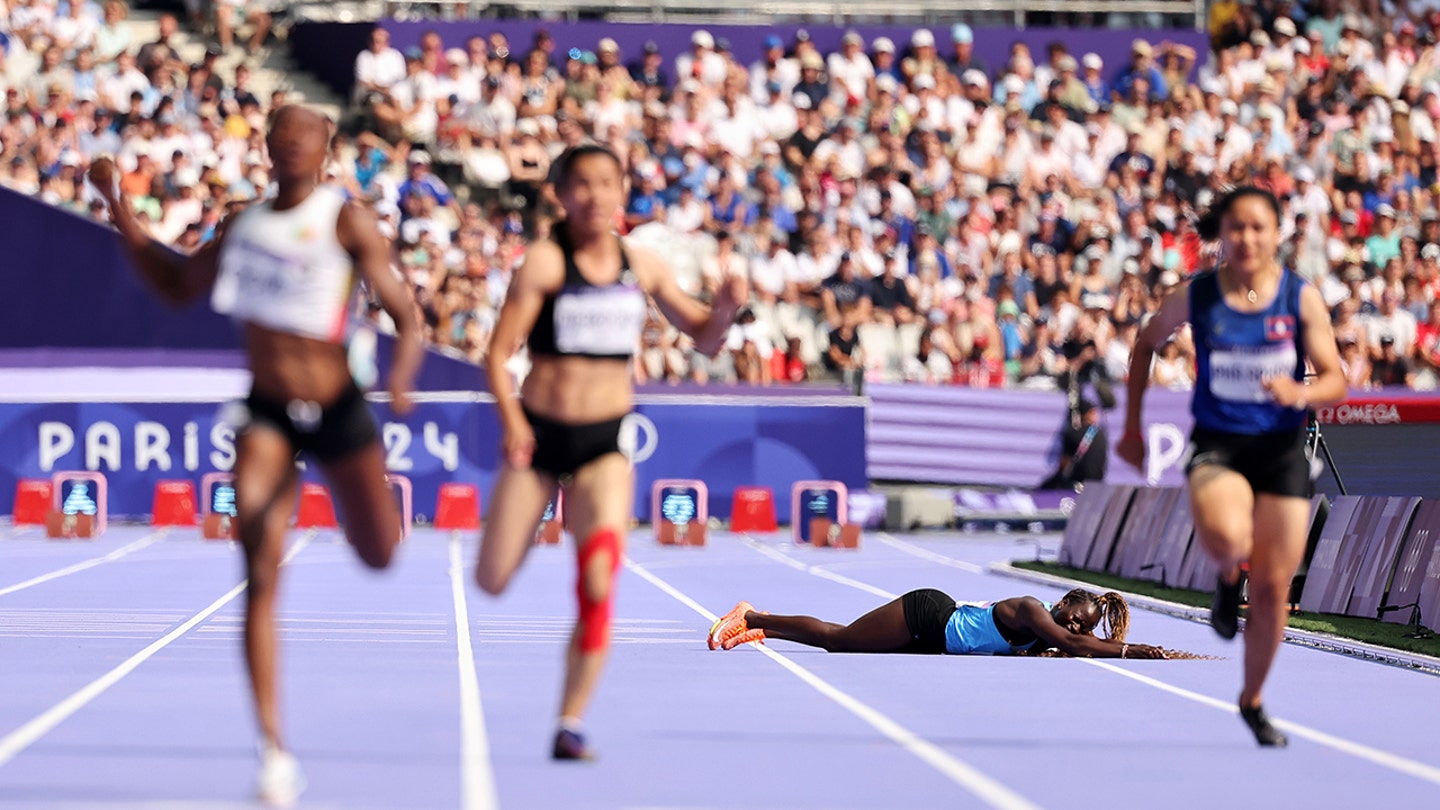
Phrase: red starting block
[78,505]
[32,501]
[753,510]
[679,509]
[825,532]
[317,510]
[173,504]
[217,506]
[552,523]
[458,507]
[818,512]
[404,500]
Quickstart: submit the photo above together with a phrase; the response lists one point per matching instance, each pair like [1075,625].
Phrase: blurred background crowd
[903,210]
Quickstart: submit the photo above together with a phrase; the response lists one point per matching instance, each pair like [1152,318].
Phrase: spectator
[1389,367]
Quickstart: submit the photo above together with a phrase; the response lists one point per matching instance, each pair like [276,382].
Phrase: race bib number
[254,279]
[1238,374]
[599,322]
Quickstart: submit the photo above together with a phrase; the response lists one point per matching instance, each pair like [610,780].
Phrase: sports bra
[286,270]
[582,319]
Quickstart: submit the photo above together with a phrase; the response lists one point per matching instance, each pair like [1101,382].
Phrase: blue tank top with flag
[1235,352]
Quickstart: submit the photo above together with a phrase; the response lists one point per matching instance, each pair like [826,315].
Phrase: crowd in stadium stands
[902,209]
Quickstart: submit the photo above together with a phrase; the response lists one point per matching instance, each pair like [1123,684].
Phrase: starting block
[317,510]
[217,506]
[825,532]
[458,507]
[32,501]
[552,523]
[679,509]
[404,500]
[819,512]
[78,505]
[753,510]
[173,504]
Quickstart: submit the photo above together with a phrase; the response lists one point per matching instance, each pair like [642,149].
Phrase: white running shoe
[279,782]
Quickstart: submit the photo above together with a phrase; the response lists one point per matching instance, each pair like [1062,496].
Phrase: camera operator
[1084,448]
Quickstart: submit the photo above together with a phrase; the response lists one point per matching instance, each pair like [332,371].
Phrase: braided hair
[1114,611]
[1115,616]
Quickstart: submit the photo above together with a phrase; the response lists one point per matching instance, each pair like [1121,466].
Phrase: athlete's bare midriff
[287,366]
[578,390]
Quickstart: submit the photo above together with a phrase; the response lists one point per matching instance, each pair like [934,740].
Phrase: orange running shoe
[736,614]
[755,635]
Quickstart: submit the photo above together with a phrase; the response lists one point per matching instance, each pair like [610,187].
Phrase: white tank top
[286,270]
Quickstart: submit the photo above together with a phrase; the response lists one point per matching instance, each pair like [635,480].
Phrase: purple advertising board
[1084,522]
[1324,578]
[1175,540]
[1410,569]
[1108,530]
[726,443]
[953,434]
[1382,548]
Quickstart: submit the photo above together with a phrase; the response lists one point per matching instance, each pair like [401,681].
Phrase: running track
[121,685]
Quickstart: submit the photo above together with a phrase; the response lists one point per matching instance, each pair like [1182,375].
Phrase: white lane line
[782,557]
[477,779]
[988,790]
[928,555]
[21,738]
[147,540]
[1385,759]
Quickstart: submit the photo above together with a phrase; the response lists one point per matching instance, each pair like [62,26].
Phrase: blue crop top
[971,630]
[582,319]
[1236,351]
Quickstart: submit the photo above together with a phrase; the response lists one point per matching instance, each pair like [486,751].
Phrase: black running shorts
[927,611]
[561,449]
[1273,463]
[327,432]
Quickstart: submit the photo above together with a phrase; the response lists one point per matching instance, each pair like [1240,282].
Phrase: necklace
[1252,296]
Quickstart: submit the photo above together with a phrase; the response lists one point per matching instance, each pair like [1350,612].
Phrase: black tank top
[582,319]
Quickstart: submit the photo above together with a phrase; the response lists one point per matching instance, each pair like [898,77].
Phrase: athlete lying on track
[927,622]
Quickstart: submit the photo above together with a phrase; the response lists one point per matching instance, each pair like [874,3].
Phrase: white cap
[1229,107]
[1431,251]
[419,156]
[1014,84]
[1305,174]
[924,81]
[1301,46]
[703,39]
[922,38]
[886,83]
[456,56]
[1285,26]
[1092,60]
[883,45]
[607,44]
[975,77]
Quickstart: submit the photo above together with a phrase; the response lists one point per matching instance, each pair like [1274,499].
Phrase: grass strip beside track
[1369,631]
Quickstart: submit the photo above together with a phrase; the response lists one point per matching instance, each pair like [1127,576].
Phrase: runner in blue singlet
[1255,326]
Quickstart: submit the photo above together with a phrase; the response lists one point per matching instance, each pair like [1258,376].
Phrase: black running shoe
[1225,609]
[570,745]
[1265,733]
